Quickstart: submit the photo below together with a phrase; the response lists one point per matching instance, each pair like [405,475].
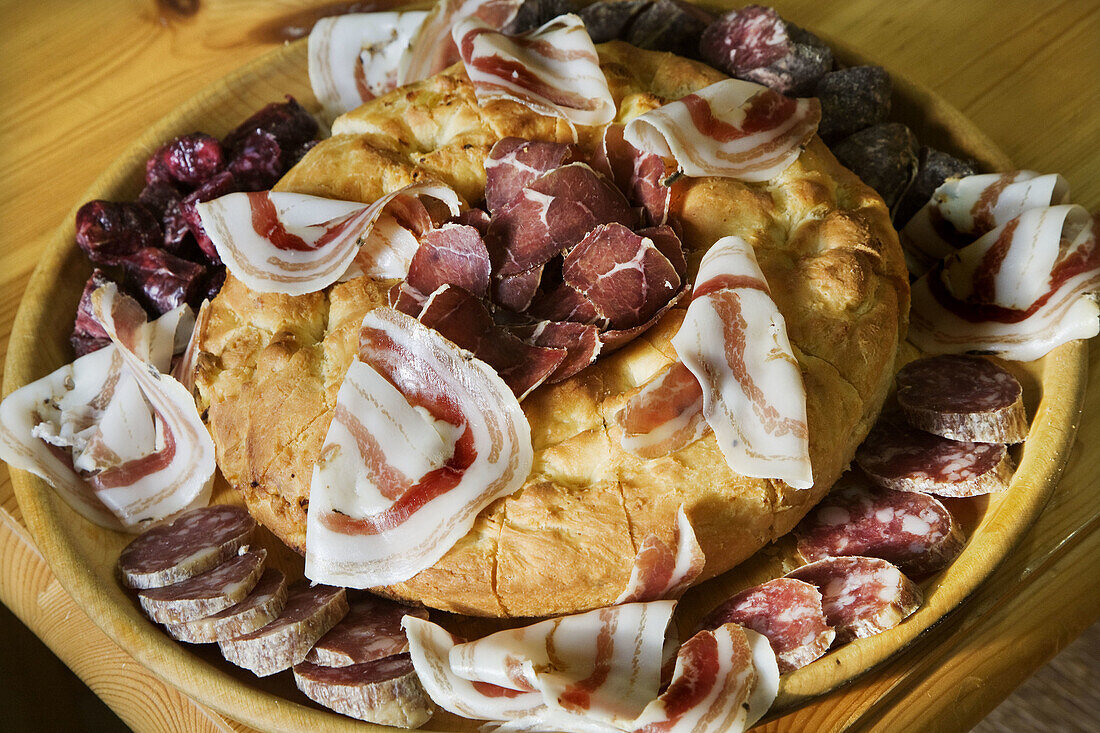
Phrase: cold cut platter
[976,528]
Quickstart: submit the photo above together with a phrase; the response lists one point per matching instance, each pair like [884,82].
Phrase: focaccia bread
[271,365]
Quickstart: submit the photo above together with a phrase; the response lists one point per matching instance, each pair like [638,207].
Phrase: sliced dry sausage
[371,630]
[259,608]
[385,691]
[203,595]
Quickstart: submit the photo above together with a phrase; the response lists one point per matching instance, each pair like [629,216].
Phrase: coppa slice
[861,596]
[259,608]
[371,630]
[385,691]
[194,543]
[202,595]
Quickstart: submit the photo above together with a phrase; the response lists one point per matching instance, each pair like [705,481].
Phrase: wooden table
[81,80]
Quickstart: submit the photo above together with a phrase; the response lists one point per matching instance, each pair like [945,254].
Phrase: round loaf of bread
[271,365]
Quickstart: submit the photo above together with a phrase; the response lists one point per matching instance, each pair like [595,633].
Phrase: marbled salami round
[371,630]
[385,691]
[202,595]
[259,608]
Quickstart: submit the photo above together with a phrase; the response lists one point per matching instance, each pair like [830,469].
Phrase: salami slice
[371,630]
[202,595]
[914,531]
[259,608]
[788,612]
[309,613]
[861,596]
[194,543]
[385,691]
[963,398]
[898,457]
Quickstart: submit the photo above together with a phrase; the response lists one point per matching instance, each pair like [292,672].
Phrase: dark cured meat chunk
[862,596]
[205,594]
[883,156]
[581,343]
[622,273]
[963,398]
[88,333]
[564,303]
[788,612]
[451,255]
[934,168]
[553,214]
[534,13]
[385,691]
[371,630]
[189,159]
[668,25]
[464,320]
[258,162]
[514,163]
[288,123]
[259,608]
[852,99]
[163,281]
[637,173]
[159,197]
[608,20]
[109,232]
[913,531]
[898,457]
[516,292]
[219,185]
[189,545]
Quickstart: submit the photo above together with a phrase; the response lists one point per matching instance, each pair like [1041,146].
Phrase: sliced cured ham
[517,292]
[733,128]
[862,596]
[515,163]
[564,303]
[963,398]
[260,607]
[665,415]
[661,571]
[293,243]
[787,612]
[581,343]
[205,594]
[398,524]
[433,49]
[453,254]
[356,57]
[371,631]
[734,340]
[1017,292]
[554,70]
[385,691]
[643,176]
[963,209]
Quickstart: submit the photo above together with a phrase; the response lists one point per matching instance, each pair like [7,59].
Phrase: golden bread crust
[271,365]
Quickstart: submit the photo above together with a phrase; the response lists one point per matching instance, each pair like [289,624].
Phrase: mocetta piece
[205,594]
[912,530]
[259,608]
[861,596]
[902,458]
[385,691]
[963,398]
[371,630]
[309,613]
[189,545]
[787,612]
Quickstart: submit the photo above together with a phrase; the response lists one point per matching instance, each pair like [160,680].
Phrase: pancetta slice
[433,49]
[184,369]
[1017,292]
[356,57]
[734,340]
[733,128]
[453,254]
[663,572]
[293,243]
[362,541]
[515,163]
[665,415]
[963,209]
[644,176]
[554,70]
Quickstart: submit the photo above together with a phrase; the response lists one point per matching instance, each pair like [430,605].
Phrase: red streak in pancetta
[663,572]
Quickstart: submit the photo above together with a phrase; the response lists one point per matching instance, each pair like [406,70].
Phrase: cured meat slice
[624,275]
[309,613]
[464,320]
[406,299]
[205,594]
[554,70]
[433,49]
[862,596]
[451,255]
[371,631]
[788,612]
[553,214]
[491,457]
[517,292]
[259,608]
[581,343]
[1017,292]
[734,340]
[732,128]
[385,691]
[911,530]
[665,415]
[898,457]
[643,176]
[963,398]
[963,209]
[293,243]
[356,57]
[189,545]
[668,242]
[514,163]
[615,338]
[564,303]
[663,572]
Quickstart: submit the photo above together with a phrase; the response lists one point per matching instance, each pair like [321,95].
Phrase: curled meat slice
[453,254]
[581,343]
[205,594]
[385,691]
[665,415]
[371,630]
[260,607]
[433,48]
[515,163]
[643,176]
[661,571]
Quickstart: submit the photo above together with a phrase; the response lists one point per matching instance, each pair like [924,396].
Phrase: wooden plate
[83,555]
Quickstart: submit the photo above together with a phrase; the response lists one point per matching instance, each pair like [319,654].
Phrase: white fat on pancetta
[183,370]
[357,57]
[433,48]
[423,456]
[660,571]
[734,340]
[963,209]
[121,442]
[554,70]
[292,243]
[733,129]
[1018,292]
[665,415]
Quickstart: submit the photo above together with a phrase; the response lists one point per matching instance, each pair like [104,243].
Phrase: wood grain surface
[81,82]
